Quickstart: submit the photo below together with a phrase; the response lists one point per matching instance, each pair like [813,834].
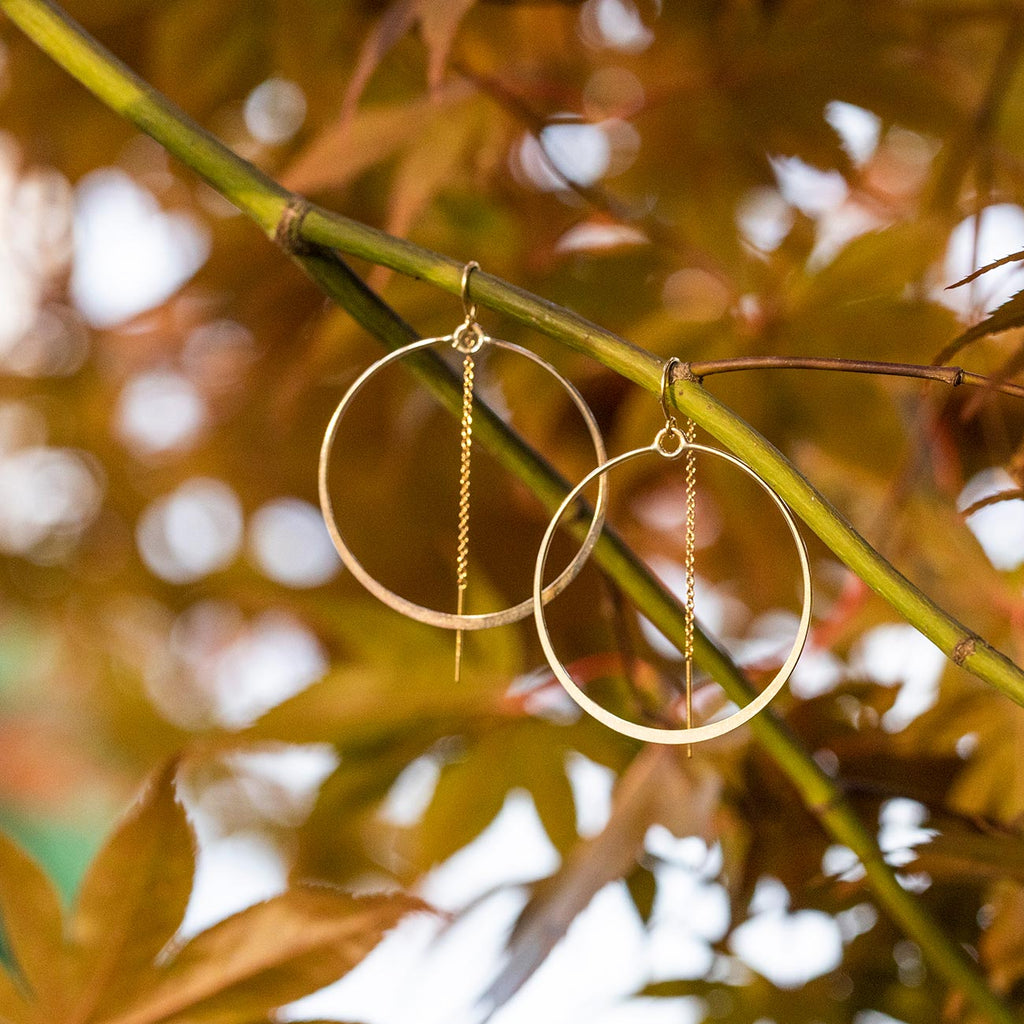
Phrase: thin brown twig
[1016,494]
[954,376]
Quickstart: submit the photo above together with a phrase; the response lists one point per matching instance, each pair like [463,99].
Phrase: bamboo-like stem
[961,645]
[304,231]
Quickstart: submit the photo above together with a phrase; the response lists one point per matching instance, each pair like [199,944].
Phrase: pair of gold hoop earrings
[671,442]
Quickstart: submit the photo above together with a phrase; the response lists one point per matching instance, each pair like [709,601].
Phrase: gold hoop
[622,725]
[431,616]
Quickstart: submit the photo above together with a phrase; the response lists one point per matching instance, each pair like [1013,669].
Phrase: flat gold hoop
[647,733]
[431,616]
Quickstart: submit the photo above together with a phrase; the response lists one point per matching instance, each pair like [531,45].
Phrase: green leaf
[271,954]
[433,162]
[235,50]
[879,263]
[134,895]
[32,920]
[642,890]
[393,688]
[332,843]
[528,755]
[541,771]
[468,797]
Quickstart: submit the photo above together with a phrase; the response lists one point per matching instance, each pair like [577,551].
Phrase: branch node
[964,649]
[958,377]
[685,372]
[287,233]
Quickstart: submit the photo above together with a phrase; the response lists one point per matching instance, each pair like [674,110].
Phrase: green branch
[959,643]
[307,232]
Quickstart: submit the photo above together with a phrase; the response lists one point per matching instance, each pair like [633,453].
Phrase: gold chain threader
[690,558]
[466,340]
[465,453]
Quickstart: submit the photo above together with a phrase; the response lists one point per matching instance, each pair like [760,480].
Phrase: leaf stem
[307,232]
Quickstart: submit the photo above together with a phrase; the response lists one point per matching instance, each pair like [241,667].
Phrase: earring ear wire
[666,386]
[468,307]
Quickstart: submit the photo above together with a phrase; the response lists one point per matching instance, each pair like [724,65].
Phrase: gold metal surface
[467,338]
[688,734]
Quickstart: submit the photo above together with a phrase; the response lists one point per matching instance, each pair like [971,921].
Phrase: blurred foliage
[112,961]
[709,179]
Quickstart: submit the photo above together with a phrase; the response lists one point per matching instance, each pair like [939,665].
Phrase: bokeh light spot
[290,544]
[274,111]
[50,494]
[192,532]
[158,411]
[129,254]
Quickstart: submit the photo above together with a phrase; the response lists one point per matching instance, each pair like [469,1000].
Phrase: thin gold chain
[690,558]
[465,452]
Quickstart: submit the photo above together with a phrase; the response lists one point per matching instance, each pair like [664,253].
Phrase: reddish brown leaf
[1014,257]
[271,954]
[134,896]
[1002,943]
[439,21]
[343,150]
[392,25]
[1007,316]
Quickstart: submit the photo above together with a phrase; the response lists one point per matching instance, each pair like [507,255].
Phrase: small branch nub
[287,233]
[964,649]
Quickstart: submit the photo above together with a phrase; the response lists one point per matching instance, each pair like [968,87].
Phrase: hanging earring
[467,340]
[670,443]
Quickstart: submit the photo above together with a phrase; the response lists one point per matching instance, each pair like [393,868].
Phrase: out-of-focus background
[710,180]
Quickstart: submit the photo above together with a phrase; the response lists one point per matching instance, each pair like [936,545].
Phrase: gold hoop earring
[669,443]
[467,339]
